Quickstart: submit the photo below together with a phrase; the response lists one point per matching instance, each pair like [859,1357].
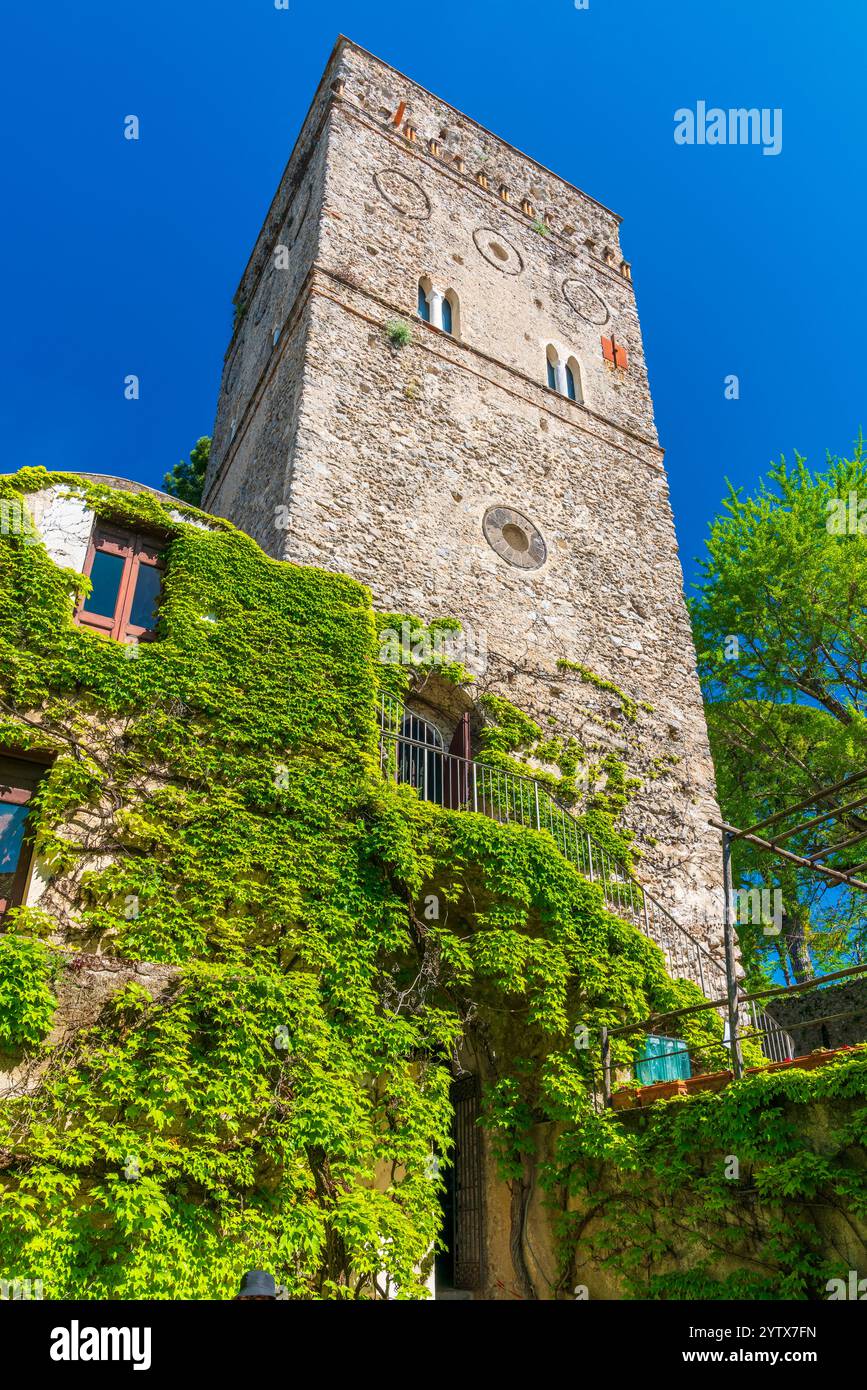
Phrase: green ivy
[266,1085]
[655,1198]
[629,706]
[27,1001]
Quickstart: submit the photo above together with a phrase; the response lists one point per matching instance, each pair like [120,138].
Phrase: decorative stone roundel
[587,304]
[403,193]
[514,538]
[497,251]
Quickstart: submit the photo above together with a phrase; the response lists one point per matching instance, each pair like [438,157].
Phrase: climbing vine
[740,1194]
[302,950]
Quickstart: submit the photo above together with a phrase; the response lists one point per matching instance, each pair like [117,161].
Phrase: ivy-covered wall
[305,953]
[756,1192]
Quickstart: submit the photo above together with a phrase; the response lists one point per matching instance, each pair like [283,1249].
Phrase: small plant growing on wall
[398,332]
[541,227]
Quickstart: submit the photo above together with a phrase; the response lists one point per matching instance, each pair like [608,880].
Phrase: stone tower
[506,472]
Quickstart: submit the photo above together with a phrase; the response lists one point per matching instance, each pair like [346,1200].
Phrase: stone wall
[840,1228]
[85,985]
[388,461]
[835,1016]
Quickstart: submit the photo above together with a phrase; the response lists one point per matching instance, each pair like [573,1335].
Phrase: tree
[187,480]
[780,624]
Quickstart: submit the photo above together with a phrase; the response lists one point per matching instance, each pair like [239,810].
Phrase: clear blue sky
[123,257]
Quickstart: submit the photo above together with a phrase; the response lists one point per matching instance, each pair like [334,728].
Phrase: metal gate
[469,1189]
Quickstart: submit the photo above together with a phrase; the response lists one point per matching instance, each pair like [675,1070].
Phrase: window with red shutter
[126,572]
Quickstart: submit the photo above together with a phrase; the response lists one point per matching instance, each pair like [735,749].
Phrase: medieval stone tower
[503,466]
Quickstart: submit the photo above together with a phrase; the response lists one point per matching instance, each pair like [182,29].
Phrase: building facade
[502,466]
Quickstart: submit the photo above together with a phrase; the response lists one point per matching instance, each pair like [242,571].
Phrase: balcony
[412,754]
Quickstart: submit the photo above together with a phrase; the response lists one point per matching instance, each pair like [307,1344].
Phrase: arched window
[573,381]
[420,757]
[564,377]
[423,302]
[451,314]
[552,361]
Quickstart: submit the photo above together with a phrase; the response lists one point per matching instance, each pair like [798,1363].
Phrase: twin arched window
[564,375]
[439,308]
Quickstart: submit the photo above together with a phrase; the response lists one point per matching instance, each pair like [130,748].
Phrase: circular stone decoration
[402,193]
[514,538]
[587,304]
[499,252]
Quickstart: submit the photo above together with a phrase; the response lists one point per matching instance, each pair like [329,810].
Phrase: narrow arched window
[420,757]
[573,381]
[423,303]
[451,314]
[551,356]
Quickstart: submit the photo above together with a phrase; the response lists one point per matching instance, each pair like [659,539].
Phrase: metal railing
[461,784]
[776,1043]
[755,1026]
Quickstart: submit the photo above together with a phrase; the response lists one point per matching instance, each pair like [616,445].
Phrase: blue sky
[123,257]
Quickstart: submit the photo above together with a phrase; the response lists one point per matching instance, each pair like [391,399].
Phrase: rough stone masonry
[447,474]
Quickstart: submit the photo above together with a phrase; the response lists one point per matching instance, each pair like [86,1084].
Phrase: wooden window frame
[134,549]
[21,796]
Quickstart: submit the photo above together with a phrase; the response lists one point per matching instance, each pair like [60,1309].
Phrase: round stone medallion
[514,537]
[497,251]
[402,193]
[587,304]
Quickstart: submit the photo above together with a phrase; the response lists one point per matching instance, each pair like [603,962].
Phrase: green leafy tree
[187,479]
[781,632]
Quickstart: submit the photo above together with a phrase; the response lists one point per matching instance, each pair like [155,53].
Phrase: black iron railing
[412,754]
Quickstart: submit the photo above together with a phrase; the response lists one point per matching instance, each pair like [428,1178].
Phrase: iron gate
[469,1189]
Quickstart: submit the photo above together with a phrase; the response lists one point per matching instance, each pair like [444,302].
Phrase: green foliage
[780,629]
[248,843]
[27,999]
[187,479]
[269,1089]
[410,649]
[630,707]
[510,740]
[653,1197]
[398,332]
